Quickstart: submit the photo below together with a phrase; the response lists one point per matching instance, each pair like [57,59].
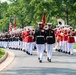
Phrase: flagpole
[10,25]
[10,19]
[45,13]
[14,22]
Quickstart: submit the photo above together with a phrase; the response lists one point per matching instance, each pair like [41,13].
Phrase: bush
[2,52]
[75,45]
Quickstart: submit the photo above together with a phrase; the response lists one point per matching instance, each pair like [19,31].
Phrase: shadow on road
[41,71]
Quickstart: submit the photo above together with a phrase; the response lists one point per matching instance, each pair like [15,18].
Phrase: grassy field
[2,52]
[75,45]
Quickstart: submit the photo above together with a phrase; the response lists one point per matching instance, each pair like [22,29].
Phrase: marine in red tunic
[71,41]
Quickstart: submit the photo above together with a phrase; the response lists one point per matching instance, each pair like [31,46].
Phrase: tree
[29,12]
[3,16]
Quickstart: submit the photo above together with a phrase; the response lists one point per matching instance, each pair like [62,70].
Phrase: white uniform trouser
[34,44]
[11,44]
[57,45]
[65,46]
[0,43]
[21,44]
[24,46]
[49,49]
[61,45]
[30,47]
[14,44]
[70,47]
[40,50]
[18,44]
[5,44]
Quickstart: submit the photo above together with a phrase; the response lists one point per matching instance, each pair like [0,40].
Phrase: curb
[4,57]
[7,61]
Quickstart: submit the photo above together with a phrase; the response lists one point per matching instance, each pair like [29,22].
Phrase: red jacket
[29,38]
[24,35]
[65,37]
[60,36]
[57,36]
[71,38]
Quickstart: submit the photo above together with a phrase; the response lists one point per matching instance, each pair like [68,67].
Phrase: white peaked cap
[49,23]
[39,23]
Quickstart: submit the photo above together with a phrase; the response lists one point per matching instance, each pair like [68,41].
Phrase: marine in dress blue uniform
[40,41]
[50,40]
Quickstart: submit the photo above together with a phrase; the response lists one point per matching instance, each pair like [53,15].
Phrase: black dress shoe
[56,49]
[69,53]
[49,60]
[45,51]
[65,52]
[30,54]
[26,51]
[59,50]
[40,61]
[23,50]
[34,47]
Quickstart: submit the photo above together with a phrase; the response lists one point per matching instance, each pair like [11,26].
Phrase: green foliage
[2,52]
[29,12]
[75,45]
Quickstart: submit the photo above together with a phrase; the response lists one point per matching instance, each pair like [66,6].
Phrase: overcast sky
[3,0]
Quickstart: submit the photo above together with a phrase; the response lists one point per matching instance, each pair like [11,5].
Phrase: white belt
[70,36]
[40,36]
[49,36]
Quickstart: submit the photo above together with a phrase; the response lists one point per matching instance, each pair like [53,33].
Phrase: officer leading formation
[41,39]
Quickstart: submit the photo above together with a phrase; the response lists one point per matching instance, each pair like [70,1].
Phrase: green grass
[2,52]
[75,45]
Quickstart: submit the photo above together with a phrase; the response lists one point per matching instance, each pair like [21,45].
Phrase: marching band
[42,39]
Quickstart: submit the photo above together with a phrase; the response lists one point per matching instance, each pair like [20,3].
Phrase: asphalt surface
[23,64]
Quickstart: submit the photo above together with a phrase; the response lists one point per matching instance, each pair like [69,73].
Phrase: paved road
[23,64]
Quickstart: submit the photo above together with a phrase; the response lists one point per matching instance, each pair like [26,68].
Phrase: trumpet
[62,34]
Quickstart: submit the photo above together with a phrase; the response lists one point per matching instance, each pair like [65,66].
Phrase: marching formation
[65,37]
[41,39]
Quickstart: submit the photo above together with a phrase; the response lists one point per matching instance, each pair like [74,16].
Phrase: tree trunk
[22,25]
[67,22]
